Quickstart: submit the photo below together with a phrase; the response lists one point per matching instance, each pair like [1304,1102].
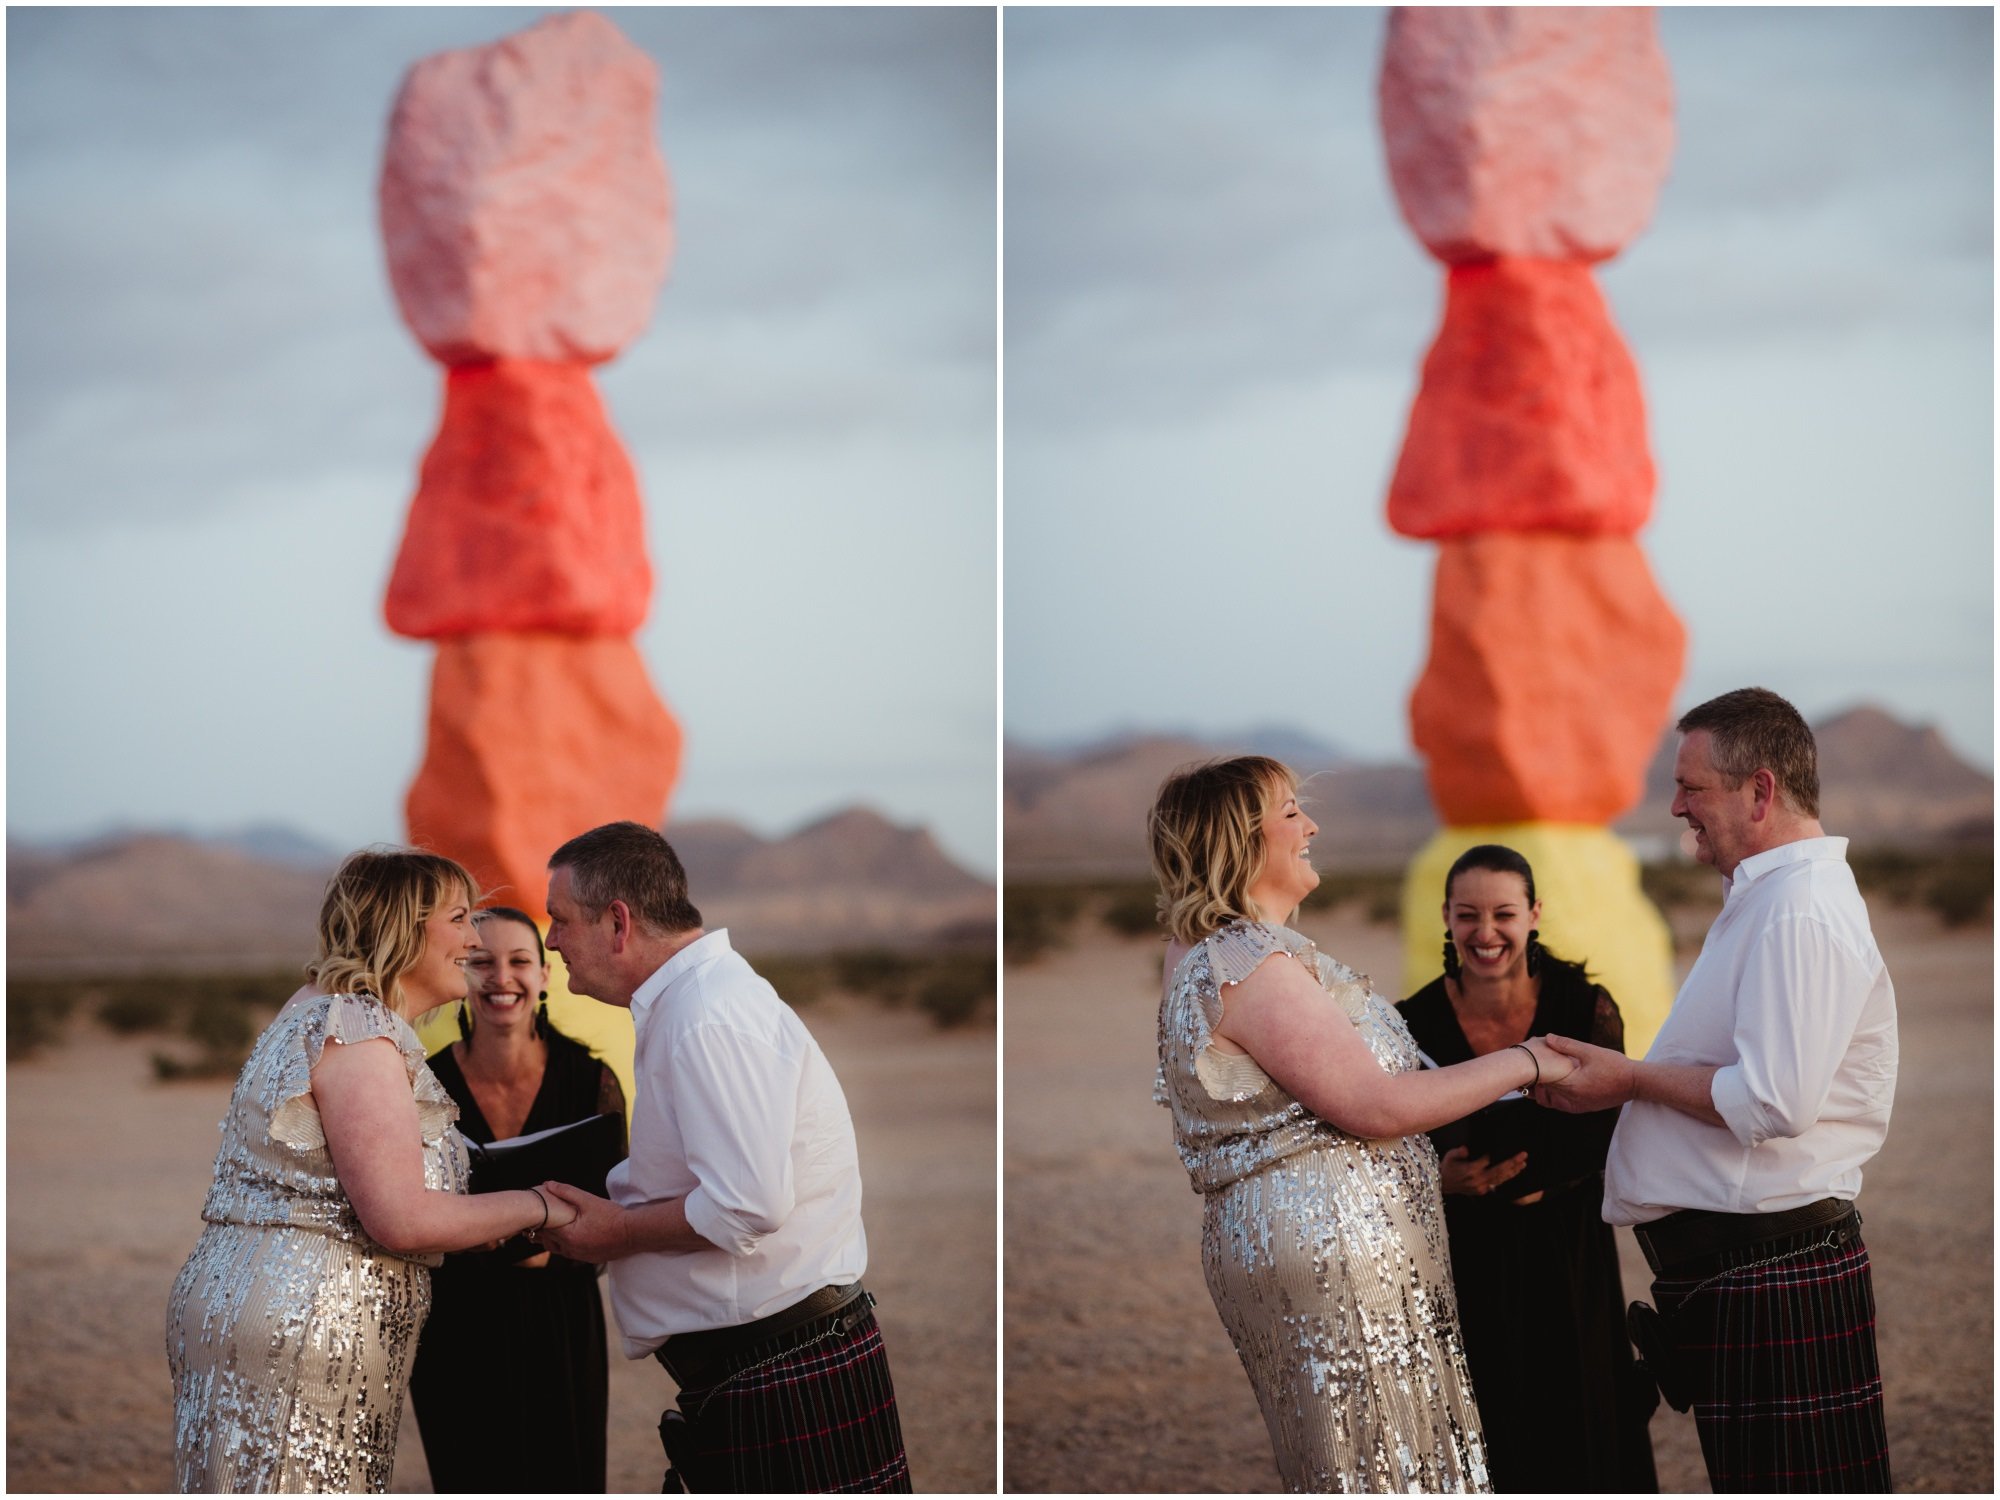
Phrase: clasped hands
[1591,1077]
[582,1225]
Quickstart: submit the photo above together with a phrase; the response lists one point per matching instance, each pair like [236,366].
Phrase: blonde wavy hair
[371,921]
[1206,832]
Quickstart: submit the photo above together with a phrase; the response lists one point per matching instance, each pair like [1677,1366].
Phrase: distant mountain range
[250,899]
[1080,811]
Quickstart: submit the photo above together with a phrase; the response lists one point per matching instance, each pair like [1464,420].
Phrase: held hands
[1475,1177]
[1554,1065]
[590,1229]
[1598,1078]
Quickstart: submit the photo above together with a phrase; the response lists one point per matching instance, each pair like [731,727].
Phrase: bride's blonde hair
[371,921]
[1207,839]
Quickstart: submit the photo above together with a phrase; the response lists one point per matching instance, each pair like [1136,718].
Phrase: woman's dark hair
[1496,857]
[515,914]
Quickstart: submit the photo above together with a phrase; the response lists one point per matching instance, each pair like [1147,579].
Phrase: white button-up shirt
[1791,1004]
[739,1115]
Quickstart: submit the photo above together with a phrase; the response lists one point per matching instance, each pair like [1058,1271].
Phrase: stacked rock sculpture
[1526,144]
[526,213]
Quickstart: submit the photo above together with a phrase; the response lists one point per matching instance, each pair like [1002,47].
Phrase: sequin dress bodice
[1325,1254]
[274,1167]
[289,1331]
[1230,1119]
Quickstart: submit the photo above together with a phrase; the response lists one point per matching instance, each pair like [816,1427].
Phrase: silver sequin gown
[1325,1254]
[289,1331]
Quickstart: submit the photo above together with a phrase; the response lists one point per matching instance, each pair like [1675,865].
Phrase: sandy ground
[107,1170]
[1120,1378]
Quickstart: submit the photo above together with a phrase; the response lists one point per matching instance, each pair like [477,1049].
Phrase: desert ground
[107,1170]
[1120,1378]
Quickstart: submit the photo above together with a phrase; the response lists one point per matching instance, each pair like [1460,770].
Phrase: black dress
[512,1379]
[1539,1296]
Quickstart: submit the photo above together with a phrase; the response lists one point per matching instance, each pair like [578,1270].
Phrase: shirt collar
[1797,852]
[703,950]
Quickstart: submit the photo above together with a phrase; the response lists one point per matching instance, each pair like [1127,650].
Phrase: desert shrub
[1036,918]
[799,981]
[1899,876]
[36,1010]
[1385,907]
[208,1065]
[222,1026]
[1673,884]
[878,973]
[130,1011]
[1962,893]
[1132,911]
[952,993]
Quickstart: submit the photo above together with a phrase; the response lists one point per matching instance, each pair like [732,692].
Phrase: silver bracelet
[531,1233]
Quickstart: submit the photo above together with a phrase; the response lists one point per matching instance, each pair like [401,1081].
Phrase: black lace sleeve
[1607,1024]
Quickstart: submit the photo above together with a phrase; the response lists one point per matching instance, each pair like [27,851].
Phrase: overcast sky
[1215,319]
[215,416]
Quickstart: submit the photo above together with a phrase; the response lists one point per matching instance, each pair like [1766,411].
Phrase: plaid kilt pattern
[1782,1357]
[819,1418]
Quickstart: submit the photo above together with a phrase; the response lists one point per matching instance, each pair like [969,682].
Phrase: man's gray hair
[1754,729]
[632,863]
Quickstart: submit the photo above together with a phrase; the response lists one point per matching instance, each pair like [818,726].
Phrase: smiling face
[1720,816]
[450,939]
[1489,917]
[1287,876]
[508,975]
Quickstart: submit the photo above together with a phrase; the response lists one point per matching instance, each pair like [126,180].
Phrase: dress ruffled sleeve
[295,1122]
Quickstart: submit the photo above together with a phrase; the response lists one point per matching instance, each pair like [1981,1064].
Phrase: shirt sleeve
[1797,1005]
[737,1100]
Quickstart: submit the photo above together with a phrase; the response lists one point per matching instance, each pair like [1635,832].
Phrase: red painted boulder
[1552,669]
[1526,130]
[524,200]
[1529,417]
[533,739]
[527,514]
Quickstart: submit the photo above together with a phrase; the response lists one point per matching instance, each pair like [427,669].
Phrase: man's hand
[1601,1079]
[598,1233]
[1475,1177]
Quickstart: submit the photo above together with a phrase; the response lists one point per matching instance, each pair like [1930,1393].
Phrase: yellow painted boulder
[1593,911]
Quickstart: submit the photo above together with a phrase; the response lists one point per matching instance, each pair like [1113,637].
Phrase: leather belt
[709,1356]
[1694,1234]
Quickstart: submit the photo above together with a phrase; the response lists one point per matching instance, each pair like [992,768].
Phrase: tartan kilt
[1782,1359]
[818,1418]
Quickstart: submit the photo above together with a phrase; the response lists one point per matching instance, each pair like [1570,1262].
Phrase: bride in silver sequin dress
[1299,1104]
[340,1181]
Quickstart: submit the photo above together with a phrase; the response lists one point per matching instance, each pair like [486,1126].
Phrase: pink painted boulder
[524,200]
[527,515]
[1526,130]
[1529,417]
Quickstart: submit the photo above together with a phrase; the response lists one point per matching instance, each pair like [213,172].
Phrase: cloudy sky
[215,417]
[1215,318]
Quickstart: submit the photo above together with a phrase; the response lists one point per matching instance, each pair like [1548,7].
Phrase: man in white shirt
[734,1227]
[1739,1152]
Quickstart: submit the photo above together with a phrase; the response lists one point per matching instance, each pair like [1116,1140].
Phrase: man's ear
[1763,794]
[621,925]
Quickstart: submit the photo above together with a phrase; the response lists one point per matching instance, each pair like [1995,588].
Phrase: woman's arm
[370,1117]
[1298,1035]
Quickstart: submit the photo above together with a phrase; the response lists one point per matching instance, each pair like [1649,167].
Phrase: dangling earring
[542,1017]
[465,1021]
[1450,957]
[1534,951]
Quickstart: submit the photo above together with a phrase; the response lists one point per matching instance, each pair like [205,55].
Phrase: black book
[580,1154]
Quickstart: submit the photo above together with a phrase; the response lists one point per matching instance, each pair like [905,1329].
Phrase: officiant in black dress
[512,1379]
[1533,1262]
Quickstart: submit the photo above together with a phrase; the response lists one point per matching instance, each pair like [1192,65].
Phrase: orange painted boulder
[533,739]
[524,200]
[1529,417]
[1526,130]
[1552,669]
[527,515]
